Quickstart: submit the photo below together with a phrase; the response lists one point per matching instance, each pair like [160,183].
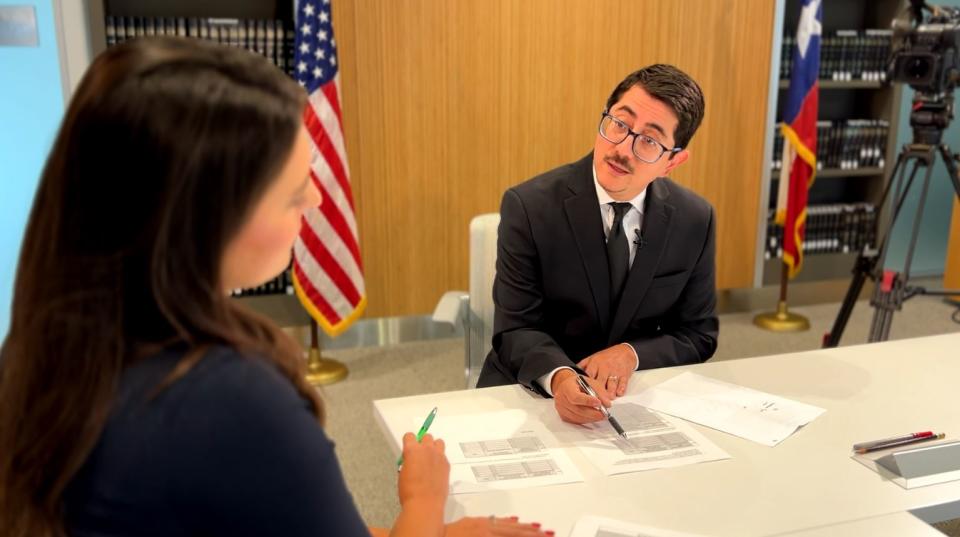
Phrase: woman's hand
[424,486]
[490,526]
[425,474]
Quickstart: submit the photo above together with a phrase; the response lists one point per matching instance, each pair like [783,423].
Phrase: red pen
[894,439]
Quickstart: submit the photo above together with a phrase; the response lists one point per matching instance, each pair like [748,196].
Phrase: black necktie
[618,252]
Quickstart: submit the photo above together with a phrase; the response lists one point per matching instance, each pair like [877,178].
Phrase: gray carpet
[436,366]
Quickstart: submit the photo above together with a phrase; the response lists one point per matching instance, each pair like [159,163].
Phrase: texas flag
[799,129]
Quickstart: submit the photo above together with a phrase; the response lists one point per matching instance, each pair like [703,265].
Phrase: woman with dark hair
[137,398]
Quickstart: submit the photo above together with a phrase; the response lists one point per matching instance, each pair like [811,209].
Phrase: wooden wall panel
[951,276]
[449,102]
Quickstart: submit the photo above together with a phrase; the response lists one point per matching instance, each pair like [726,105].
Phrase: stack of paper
[509,449]
[501,450]
[653,441]
[751,414]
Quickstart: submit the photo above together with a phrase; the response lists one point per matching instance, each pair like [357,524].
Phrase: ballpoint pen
[585,388]
[899,443]
[420,433]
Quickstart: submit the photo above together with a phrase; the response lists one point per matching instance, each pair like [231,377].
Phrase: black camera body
[927,58]
[928,55]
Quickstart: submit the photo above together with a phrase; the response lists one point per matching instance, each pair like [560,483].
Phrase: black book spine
[290,45]
[111,30]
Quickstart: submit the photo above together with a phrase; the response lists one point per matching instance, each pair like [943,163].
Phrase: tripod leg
[885,330]
[864,265]
[879,318]
[832,338]
[902,190]
[894,300]
[917,218]
[879,301]
[951,162]
[889,294]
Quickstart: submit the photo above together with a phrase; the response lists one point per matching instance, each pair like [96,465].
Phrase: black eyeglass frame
[636,135]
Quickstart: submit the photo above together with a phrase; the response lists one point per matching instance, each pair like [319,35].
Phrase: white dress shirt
[632,225]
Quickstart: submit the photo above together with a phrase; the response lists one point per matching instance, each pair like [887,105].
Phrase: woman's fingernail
[535,524]
[514,518]
[550,533]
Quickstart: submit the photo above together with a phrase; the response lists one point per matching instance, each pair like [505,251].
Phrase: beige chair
[475,310]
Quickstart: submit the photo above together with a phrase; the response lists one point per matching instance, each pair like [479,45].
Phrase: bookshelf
[858,118]
[264,27]
[859,172]
[833,266]
[840,84]
[285,310]
[230,9]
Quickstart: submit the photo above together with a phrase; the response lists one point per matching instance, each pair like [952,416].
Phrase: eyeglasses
[644,147]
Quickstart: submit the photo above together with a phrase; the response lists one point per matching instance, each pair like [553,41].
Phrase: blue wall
[31,105]
[931,250]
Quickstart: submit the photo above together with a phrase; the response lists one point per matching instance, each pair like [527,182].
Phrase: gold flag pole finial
[782,320]
[322,370]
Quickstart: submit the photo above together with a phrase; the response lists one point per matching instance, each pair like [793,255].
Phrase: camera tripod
[928,120]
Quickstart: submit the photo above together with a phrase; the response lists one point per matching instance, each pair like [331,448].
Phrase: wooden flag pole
[322,370]
[782,320]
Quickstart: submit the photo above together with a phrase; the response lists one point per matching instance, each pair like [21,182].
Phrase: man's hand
[572,404]
[612,368]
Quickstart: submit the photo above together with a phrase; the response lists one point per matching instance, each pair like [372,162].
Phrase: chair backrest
[483,270]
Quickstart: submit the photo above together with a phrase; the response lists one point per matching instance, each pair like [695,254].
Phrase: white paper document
[594,526]
[762,417]
[502,450]
[653,441]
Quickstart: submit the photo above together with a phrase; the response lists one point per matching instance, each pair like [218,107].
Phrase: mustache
[620,163]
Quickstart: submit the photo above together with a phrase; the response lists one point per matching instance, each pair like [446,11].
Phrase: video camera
[927,58]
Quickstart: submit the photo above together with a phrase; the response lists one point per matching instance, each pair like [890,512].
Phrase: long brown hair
[163,152]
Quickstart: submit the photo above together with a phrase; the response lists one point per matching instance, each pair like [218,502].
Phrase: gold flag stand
[782,320]
[322,370]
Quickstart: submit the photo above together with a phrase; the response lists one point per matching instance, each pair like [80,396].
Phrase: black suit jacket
[552,288]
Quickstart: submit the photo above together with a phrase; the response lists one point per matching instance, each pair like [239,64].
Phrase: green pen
[420,433]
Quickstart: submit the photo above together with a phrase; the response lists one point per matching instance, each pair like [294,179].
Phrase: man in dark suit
[605,266]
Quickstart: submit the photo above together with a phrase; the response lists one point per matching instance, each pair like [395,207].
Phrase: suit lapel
[657,217]
[583,215]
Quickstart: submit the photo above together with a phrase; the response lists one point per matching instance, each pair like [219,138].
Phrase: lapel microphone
[639,240]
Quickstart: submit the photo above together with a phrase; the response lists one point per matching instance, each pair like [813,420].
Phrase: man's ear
[677,160]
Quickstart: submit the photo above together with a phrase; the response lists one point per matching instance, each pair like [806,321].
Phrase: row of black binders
[845,55]
[848,144]
[832,228]
[281,285]
[273,39]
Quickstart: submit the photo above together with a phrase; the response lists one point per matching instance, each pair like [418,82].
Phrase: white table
[809,481]
[900,524]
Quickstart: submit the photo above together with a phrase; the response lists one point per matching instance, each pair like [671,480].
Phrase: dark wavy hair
[674,88]
[165,149]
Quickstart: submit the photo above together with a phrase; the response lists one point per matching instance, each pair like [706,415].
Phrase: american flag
[327,270]
[800,135]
